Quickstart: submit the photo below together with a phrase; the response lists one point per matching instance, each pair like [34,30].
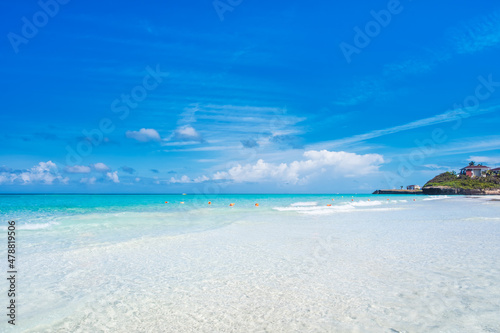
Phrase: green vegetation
[465,182]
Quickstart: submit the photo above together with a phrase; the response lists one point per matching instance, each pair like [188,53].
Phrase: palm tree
[471,163]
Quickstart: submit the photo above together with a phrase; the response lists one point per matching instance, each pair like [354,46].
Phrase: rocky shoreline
[398,192]
[447,190]
[451,183]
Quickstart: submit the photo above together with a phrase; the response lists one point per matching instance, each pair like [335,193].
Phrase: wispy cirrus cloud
[436,167]
[445,117]
[495,160]
[205,148]
[78,169]
[417,65]
[477,34]
[205,127]
[470,145]
[466,145]
[359,91]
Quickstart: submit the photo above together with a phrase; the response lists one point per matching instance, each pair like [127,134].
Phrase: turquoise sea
[367,263]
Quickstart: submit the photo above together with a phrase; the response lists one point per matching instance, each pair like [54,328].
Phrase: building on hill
[474,170]
[413,187]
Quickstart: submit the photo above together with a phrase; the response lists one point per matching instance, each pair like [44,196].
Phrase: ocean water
[367,263]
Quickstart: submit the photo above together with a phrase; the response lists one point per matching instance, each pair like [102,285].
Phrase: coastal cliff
[450,184]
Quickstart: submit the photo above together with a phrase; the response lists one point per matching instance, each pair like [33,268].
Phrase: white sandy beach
[425,266]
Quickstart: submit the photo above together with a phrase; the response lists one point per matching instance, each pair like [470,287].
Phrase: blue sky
[245,96]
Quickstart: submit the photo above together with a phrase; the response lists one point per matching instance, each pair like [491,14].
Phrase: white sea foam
[334,208]
[365,203]
[34,226]
[481,218]
[307,203]
[298,208]
[37,226]
[440,197]
[347,209]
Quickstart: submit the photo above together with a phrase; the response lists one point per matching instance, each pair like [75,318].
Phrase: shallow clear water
[126,263]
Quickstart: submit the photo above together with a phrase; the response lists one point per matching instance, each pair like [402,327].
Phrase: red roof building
[474,170]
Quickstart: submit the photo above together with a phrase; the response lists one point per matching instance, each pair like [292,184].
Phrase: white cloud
[186,133]
[144,135]
[43,173]
[183,179]
[78,169]
[101,167]
[201,179]
[4,178]
[336,164]
[113,176]
[89,181]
